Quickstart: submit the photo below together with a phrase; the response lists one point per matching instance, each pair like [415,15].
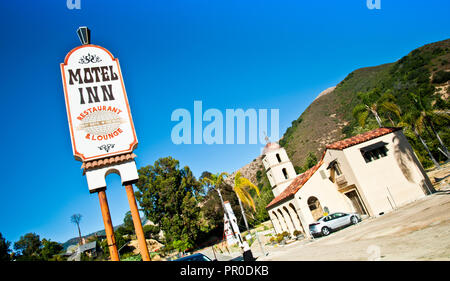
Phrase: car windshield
[194,258]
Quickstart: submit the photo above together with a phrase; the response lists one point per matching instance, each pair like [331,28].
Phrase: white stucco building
[371,173]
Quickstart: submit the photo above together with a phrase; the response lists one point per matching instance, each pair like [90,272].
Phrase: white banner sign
[97,105]
[236,238]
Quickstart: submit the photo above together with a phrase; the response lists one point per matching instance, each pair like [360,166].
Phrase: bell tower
[279,169]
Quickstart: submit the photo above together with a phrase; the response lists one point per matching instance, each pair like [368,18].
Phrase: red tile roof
[301,179]
[107,161]
[339,145]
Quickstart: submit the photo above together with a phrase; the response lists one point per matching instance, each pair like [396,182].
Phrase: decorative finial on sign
[84,34]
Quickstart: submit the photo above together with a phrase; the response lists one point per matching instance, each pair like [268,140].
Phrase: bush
[131,257]
[151,231]
[297,233]
[279,238]
[441,77]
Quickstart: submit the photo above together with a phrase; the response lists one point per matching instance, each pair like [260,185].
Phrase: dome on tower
[271,146]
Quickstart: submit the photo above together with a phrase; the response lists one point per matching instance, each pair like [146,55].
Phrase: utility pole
[248,229]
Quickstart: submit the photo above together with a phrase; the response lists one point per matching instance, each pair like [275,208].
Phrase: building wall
[348,172]
[390,181]
[319,186]
[382,185]
[325,191]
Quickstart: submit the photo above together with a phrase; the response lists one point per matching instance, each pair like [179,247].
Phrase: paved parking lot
[417,231]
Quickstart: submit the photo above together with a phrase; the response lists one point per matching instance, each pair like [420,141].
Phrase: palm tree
[387,106]
[426,116]
[215,180]
[411,120]
[76,219]
[373,102]
[241,188]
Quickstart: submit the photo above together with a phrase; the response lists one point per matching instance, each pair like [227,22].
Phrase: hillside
[74,240]
[324,119]
[329,117]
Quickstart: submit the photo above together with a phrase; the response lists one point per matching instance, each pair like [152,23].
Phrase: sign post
[137,223]
[108,226]
[101,127]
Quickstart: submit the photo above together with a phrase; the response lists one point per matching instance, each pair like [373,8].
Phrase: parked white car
[325,225]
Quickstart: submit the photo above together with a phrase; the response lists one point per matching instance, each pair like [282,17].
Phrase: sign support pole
[137,223]
[108,226]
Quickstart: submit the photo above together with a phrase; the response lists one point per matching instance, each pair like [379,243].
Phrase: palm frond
[362,118]
[444,114]
[242,186]
[420,123]
[388,106]
[358,109]
[387,97]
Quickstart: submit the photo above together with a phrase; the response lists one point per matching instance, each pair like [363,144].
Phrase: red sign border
[78,155]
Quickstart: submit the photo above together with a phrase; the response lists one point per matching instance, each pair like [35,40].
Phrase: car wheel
[354,220]
[325,231]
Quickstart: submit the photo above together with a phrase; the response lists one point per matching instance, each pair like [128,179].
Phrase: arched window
[285,173]
[278,158]
[315,207]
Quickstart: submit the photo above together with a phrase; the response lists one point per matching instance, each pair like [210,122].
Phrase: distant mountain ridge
[74,241]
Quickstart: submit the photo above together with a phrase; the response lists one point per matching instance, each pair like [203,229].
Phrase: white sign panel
[232,223]
[229,236]
[97,105]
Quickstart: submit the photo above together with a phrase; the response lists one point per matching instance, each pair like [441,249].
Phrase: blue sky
[228,54]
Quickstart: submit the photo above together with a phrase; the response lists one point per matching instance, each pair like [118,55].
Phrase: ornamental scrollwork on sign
[89,58]
[106,147]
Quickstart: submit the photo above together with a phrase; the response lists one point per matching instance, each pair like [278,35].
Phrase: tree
[120,239]
[5,251]
[169,197]
[122,231]
[410,120]
[241,187]
[128,223]
[215,182]
[76,219]
[212,207]
[50,249]
[388,107]
[311,160]
[151,231]
[28,247]
[426,115]
[375,103]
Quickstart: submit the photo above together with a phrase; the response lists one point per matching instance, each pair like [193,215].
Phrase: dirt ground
[440,178]
[417,231]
